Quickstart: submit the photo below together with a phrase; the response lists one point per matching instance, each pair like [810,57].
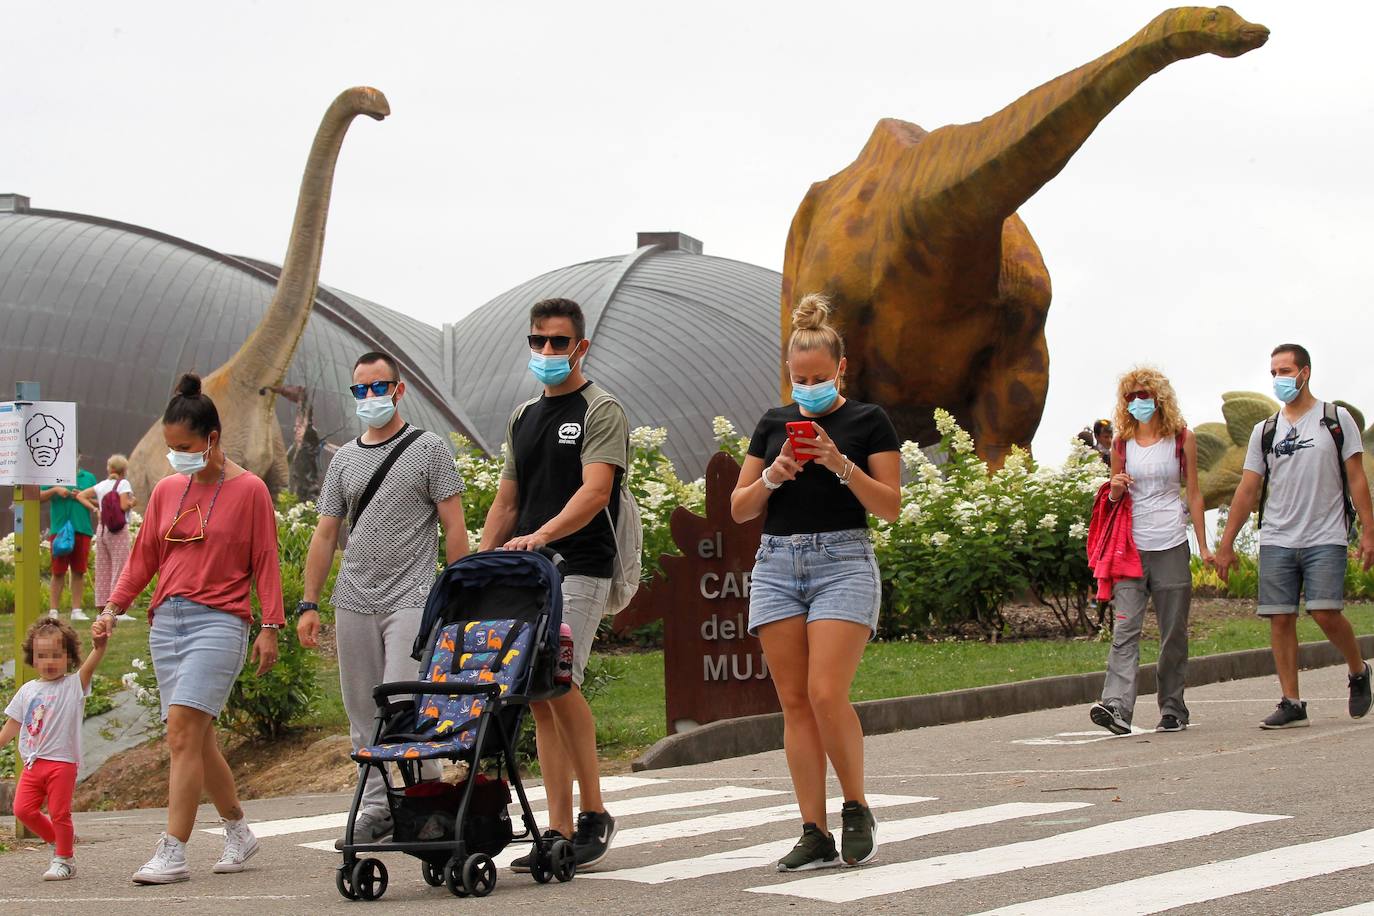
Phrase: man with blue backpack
[1304,471]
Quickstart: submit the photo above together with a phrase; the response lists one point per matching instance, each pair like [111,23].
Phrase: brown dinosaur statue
[939,289]
[243,388]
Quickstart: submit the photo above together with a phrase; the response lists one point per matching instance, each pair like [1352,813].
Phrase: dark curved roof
[679,337]
[108,315]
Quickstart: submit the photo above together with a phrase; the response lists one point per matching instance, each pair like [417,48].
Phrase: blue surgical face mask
[188,463]
[1286,388]
[1142,409]
[376,412]
[551,370]
[816,398]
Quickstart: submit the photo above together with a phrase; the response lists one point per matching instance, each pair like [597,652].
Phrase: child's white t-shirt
[49,714]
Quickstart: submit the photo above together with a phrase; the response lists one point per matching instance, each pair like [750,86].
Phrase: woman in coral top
[210,531]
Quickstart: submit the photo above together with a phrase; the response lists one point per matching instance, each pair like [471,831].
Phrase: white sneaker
[239,846]
[78,614]
[61,869]
[125,617]
[168,864]
[52,612]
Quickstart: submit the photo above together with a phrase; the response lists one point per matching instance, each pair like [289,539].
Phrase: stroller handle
[555,558]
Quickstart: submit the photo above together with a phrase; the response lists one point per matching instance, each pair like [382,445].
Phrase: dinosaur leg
[1006,408]
[278,474]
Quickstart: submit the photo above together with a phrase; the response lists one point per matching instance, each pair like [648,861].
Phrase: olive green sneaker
[815,849]
[859,843]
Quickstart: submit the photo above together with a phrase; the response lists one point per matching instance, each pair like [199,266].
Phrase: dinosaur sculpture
[243,388]
[939,288]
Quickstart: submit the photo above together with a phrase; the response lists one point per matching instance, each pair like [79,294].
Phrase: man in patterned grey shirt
[388,566]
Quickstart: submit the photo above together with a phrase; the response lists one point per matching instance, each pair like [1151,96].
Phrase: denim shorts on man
[1315,573]
[197,652]
[828,576]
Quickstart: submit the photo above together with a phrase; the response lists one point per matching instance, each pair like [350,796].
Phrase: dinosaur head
[1219,31]
[369,101]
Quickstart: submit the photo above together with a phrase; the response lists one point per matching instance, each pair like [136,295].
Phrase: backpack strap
[380,474]
[1182,457]
[1267,434]
[1332,421]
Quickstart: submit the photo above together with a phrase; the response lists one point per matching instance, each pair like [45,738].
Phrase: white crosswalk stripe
[1213,881]
[1359,909]
[764,855]
[1115,838]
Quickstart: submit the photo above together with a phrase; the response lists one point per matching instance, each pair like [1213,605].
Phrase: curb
[756,734]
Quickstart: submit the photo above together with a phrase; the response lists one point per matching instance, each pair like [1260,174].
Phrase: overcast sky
[1223,207]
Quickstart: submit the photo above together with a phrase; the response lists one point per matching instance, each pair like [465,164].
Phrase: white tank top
[1158,516]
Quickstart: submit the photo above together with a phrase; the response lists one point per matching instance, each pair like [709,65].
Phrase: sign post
[713,669]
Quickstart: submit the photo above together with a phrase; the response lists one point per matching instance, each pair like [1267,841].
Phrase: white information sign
[37,443]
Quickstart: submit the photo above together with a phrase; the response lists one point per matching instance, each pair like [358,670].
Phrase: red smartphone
[801,429]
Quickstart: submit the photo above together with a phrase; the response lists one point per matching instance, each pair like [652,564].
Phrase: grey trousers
[1168,581]
[374,649]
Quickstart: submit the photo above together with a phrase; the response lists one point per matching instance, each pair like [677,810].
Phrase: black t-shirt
[815,500]
[547,443]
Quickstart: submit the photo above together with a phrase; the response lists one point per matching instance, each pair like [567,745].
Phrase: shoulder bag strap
[380,474]
[1267,434]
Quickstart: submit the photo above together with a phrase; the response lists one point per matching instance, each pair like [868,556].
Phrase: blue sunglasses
[378,388]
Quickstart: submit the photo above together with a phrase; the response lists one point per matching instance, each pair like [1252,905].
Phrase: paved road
[1031,814]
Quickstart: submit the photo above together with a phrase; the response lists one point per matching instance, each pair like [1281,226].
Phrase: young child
[46,714]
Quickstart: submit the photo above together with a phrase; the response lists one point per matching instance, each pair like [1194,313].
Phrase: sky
[1221,209]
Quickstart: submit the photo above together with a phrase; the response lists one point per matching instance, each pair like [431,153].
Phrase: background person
[1152,443]
[67,504]
[1304,526]
[815,590]
[209,534]
[111,546]
[566,454]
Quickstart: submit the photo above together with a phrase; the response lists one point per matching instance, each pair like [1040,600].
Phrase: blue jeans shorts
[1317,573]
[197,653]
[828,576]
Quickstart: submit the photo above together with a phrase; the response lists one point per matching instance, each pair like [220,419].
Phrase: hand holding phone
[798,430]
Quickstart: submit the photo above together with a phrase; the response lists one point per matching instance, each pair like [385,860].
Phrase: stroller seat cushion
[419,750]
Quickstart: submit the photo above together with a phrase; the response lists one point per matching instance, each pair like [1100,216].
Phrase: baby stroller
[489,640]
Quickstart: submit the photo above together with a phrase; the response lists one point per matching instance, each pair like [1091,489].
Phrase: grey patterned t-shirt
[391,558]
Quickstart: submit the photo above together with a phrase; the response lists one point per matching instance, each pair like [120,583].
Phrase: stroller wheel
[369,879]
[562,860]
[433,874]
[479,875]
[453,877]
[539,868]
[343,880]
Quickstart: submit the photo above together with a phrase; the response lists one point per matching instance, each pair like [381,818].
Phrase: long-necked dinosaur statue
[939,288]
[242,387]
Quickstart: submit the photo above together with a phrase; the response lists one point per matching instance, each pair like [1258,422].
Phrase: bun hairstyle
[192,407]
[811,327]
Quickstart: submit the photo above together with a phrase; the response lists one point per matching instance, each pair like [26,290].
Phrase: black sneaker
[1359,693]
[815,849]
[1287,715]
[1107,717]
[859,844]
[521,866]
[592,840]
[369,827]
[1170,724]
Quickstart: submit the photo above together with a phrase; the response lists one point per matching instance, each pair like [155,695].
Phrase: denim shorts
[1318,573]
[197,653]
[828,576]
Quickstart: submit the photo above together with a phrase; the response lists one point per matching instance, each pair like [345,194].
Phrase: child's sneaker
[61,869]
[815,849]
[239,846]
[168,864]
[859,843]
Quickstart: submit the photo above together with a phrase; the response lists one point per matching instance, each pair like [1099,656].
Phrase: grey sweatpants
[374,649]
[1168,580]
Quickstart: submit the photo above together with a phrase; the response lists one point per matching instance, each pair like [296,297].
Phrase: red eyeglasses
[1138,395]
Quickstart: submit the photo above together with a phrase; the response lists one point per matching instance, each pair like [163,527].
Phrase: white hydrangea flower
[129,680]
[939,539]
[990,527]
[911,513]
[1018,526]
[881,537]
[967,529]
[944,421]
[930,473]
[1078,530]
[138,663]
[722,428]
[1049,520]
[912,456]
[963,442]
[1016,460]
[648,437]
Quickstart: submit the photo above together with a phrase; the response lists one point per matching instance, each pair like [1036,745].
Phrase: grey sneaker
[815,849]
[1109,718]
[1170,723]
[1359,693]
[859,841]
[370,826]
[1287,715]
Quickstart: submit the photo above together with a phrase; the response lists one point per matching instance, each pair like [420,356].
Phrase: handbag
[64,541]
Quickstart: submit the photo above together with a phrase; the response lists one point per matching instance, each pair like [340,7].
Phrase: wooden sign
[713,669]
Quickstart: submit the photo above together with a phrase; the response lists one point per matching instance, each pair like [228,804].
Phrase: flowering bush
[967,541]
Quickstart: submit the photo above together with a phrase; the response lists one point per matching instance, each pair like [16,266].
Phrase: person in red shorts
[67,504]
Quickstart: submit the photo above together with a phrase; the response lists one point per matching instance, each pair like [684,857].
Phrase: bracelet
[271,626]
[846,472]
[767,481]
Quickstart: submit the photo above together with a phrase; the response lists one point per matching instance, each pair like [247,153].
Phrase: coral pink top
[240,547]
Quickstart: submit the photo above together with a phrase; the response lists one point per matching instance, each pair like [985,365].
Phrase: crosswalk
[674,832]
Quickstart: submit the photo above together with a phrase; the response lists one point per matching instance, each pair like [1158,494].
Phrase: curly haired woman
[1154,458]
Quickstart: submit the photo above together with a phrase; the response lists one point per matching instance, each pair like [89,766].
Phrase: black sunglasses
[378,388]
[560,341]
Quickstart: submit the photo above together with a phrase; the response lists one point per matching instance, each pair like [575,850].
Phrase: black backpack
[1331,420]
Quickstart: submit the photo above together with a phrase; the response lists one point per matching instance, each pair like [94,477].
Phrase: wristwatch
[303,606]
